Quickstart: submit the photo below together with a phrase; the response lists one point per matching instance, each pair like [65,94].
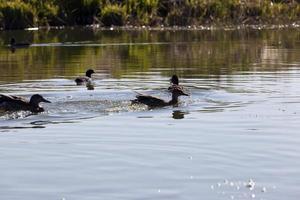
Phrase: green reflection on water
[70,52]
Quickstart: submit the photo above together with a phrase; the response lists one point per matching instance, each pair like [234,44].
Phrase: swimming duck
[84,80]
[14,44]
[16,103]
[174,80]
[156,102]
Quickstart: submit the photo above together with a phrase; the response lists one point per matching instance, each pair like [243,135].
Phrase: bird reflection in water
[177,114]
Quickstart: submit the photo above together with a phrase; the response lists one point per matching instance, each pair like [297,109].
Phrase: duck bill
[46,101]
[185,94]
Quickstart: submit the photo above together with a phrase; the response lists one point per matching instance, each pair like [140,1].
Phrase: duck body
[14,44]
[150,101]
[153,102]
[85,79]
[16,103]
[81,80]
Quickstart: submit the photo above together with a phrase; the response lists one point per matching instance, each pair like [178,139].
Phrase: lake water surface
[240,122]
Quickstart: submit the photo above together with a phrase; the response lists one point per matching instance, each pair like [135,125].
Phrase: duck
[174,80]
[153,102]
[14,44]
[85,79]
[17,103]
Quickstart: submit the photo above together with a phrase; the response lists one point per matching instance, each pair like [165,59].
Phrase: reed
[113,15]
[17,15]
[25,13]
[78,12]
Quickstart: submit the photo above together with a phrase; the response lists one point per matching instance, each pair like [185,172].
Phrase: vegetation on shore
[20,14]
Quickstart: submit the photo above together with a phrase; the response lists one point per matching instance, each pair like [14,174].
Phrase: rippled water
[239,123]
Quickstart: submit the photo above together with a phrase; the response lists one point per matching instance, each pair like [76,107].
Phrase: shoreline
[226,27]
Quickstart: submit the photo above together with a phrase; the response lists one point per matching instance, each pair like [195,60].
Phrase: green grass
[18,14]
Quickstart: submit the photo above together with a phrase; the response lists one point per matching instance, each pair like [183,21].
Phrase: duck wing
[149,101]
[5,98]
[10,102]
[11,98]
[81,80]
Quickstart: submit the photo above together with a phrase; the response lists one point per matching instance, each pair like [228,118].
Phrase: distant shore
[172,28]
[156,14]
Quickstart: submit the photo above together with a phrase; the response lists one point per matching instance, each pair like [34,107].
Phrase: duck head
[174,79]
[177,91]
[36,99]
[89,73]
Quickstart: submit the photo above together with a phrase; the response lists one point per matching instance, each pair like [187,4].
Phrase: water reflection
[177,114]
[69,52]
[40,122]
[12,49]
[3,128]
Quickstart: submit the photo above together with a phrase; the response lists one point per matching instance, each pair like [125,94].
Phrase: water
[241,121]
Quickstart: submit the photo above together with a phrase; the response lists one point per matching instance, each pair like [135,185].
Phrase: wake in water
[71,104]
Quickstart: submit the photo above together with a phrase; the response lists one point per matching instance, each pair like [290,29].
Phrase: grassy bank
[19,14]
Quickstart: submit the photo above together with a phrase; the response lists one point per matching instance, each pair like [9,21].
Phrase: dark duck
[16,103]
[153,102]
[14,44]
[174,80]
[85,79]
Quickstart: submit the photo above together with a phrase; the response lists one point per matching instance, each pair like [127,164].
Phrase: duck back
[81,80]
[149,101]
[13,103]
